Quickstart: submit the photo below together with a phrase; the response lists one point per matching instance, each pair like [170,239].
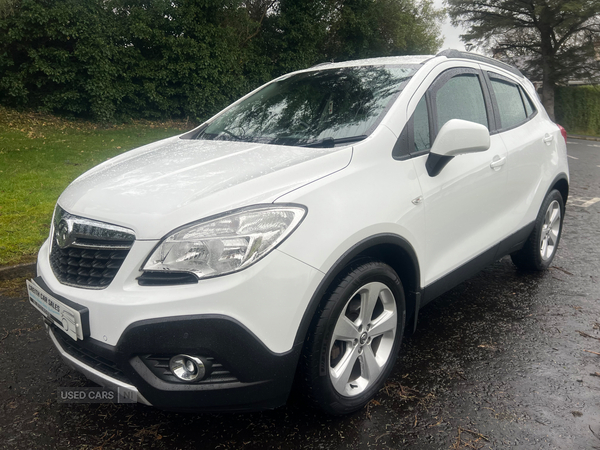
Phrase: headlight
[227,243]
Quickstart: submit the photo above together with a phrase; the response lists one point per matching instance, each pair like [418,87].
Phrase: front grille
[87,253]
[159,365]
[88,357]
[89,268]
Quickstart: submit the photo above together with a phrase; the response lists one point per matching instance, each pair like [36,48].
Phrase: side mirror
[457,137]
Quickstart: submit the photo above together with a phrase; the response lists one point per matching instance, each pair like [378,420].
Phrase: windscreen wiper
[330,142]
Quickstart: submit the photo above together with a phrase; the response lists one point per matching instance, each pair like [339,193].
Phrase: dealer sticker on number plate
[64,317]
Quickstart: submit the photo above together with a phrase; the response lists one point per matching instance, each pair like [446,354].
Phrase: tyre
[540,248]
[354,339]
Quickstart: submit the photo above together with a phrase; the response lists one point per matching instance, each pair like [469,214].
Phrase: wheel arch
[561,184]
[391,249]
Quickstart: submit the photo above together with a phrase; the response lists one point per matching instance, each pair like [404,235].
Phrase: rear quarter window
[529,107]
[510,103]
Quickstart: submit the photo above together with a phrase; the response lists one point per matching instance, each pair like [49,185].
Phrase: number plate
[64,317]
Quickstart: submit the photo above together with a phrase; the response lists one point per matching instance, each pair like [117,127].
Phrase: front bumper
[269,298]
[245,374]
[245,324]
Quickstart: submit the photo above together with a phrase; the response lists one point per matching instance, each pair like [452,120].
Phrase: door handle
[548,138]
[497,162]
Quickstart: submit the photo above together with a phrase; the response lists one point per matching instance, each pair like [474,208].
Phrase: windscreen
[319,108]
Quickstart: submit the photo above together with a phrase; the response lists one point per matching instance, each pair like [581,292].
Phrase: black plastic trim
[435,163]
[511,244]
[559,177]
[457,276]
[170,278]
[90,353]
[420,153]
[263,379]
[514,242]
[342,263]
[330,142]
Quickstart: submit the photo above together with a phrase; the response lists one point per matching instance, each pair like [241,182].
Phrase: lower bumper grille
[88,357]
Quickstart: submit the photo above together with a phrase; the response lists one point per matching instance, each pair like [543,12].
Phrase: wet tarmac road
[498,362]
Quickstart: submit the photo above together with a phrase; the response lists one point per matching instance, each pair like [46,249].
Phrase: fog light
[187,368]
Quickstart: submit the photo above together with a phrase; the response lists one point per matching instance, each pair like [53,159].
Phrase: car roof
[384,61]
[418,59]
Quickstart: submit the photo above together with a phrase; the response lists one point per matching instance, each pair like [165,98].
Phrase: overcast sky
[450,33]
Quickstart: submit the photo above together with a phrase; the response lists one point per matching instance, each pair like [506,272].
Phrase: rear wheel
[540,248]
[354,339]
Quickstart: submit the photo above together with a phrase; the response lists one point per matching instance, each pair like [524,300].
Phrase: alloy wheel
[550,231]
[363,338]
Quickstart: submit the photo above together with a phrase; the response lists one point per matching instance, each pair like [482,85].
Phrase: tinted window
[461,98]
[309,107]
[510,103]
[529,108]
[421,126]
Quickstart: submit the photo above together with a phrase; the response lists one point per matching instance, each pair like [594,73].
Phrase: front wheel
[354,339]
[540,248]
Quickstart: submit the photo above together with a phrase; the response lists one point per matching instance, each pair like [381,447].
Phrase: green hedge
[119,59]
[577,108]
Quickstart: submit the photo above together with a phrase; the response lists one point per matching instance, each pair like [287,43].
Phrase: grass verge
[40,155]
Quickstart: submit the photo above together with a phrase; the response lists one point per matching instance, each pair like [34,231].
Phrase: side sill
[458,275]
[511,244]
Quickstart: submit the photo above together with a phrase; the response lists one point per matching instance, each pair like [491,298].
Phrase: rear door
[531,142]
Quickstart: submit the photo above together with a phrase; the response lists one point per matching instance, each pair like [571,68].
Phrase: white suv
[298,232]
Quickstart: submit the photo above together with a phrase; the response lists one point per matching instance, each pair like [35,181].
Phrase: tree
[116,59]
[370,28]
[550,40]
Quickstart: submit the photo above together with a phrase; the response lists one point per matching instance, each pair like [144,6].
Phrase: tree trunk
[548,96]
[548,55]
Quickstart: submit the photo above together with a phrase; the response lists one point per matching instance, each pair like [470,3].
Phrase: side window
[529,108]
[510,103]
[421,126]
[461,98]
[415,136]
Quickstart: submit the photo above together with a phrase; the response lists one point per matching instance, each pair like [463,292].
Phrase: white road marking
[572,157]
[593,145]
[582,202]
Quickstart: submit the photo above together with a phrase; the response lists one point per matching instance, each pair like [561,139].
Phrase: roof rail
[321,64]
[474,56]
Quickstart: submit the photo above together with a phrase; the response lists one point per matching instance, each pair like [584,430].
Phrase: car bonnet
[164,185]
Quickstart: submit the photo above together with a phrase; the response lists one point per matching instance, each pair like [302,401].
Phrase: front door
[464,204]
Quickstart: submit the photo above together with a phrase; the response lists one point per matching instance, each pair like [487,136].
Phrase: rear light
[563,132]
